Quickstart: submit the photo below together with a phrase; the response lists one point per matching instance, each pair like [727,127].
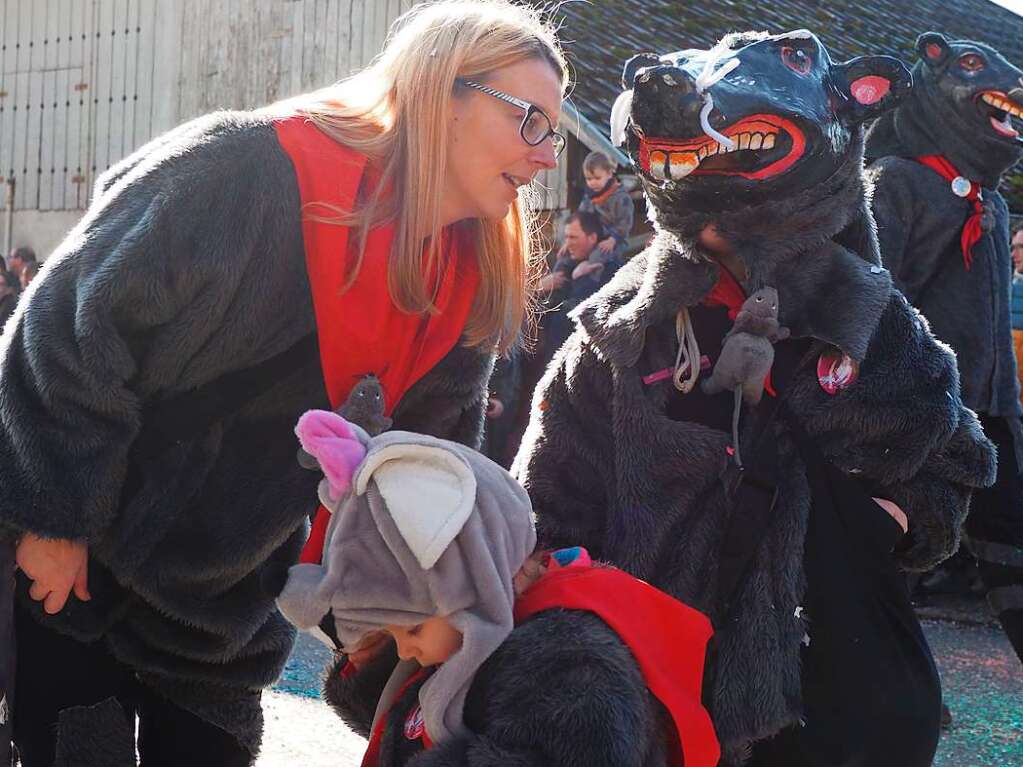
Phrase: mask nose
[665,101]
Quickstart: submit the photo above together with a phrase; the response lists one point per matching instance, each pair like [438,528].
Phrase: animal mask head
[981,91]
[753,116]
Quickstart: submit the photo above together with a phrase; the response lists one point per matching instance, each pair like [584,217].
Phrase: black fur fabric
[91,736]
[607,468]
[562,690]
[188,265]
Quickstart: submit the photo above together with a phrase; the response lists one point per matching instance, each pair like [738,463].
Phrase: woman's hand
[896,513]
[56,568]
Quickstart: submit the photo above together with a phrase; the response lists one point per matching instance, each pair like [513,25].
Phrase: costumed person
[228,276]
[506,656]
[606,197]
[750,154]
[944,233]
[1016,309]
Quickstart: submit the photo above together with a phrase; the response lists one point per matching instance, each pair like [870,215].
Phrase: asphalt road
[982,679]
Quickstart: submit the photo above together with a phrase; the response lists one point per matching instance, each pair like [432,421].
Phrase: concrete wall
[83,83]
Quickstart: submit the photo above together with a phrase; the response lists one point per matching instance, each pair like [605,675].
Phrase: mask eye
[797,60]
[971,62]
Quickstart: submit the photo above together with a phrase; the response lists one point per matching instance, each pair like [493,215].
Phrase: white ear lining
[429,491]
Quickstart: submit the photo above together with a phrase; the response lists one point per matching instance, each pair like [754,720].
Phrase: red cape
[667,638]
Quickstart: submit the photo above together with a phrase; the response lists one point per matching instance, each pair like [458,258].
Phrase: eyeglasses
[536,125]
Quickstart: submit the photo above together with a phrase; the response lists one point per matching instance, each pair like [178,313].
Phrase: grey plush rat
[747,355]
[364,407]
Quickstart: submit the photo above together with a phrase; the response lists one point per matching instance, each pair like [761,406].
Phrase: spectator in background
[28,273]
[606,197]
[1016,308]
[20,259]
[502,408]
[8,295]
[580,270]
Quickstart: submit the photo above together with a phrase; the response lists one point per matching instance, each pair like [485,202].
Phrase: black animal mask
[753,115]
[982,90]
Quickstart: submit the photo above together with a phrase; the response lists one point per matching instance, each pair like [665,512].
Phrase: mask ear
[635,64]
[933,48]
[871,86]
[334,444]
[430,492]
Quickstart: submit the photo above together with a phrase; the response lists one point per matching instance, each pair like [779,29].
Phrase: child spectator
[28,273]
[507,656]
[606,197]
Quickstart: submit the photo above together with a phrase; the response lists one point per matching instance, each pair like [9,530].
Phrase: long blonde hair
[394,112]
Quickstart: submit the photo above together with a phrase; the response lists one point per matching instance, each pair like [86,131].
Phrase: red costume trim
[372,756]
[360,330]
[667,638]
[971,230]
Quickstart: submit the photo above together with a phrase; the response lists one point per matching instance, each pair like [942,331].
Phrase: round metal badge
[414,724]
[836,371]
[961,186]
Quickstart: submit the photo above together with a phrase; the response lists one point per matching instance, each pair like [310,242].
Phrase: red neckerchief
[360,330]
[971,230]
[372,756]
[728,292]
[667,638]
[609,190]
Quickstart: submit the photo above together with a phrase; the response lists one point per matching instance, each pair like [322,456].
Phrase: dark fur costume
[920,219]
[607,467]
[189,264]
[562,689]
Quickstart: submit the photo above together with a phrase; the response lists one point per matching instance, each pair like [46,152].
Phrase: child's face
[597,179]
[429,643]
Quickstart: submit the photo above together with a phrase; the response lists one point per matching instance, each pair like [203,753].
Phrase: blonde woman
[228,276]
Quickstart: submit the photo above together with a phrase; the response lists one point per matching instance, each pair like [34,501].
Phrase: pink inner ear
[330,440]
[933,51]
[870,89]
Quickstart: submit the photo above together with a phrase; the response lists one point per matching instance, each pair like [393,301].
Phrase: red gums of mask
[747,124]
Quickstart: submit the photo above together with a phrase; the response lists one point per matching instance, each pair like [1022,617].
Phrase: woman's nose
[543,154]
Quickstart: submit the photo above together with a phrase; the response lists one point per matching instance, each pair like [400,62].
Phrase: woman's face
[429,643]
[487,158]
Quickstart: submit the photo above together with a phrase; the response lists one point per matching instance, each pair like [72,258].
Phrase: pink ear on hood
[329,439]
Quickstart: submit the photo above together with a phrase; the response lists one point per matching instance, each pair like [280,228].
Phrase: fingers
[81,586]
[38,591]
[55,601]
[895,511]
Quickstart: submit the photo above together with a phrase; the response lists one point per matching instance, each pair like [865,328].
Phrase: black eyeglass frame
[557,140]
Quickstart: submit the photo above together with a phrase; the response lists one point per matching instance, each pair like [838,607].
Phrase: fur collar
[818,248]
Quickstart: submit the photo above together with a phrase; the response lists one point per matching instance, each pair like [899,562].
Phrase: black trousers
[59,674]
[994,534]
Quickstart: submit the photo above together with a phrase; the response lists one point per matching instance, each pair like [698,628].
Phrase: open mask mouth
[1000,109]
[764,146]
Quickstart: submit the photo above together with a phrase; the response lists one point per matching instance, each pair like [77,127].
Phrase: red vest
[360,330]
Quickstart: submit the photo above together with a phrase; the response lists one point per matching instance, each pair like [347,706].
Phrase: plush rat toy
[365,408]
[747,355]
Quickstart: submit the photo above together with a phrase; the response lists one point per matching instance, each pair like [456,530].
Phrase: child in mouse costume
[506,657]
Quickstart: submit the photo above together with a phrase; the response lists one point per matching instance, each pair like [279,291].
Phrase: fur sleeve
[903,429]
[150,273]
[354,697]
[565,459]
[562,690]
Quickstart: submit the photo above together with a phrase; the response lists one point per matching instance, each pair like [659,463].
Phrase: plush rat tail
[735,425]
